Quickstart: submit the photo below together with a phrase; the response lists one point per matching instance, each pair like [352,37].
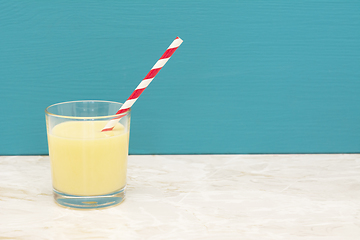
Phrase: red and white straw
[143,84]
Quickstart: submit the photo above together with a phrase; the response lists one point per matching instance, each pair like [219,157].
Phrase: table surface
[194,197]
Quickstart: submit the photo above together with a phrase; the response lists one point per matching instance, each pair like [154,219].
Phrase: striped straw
[143,84]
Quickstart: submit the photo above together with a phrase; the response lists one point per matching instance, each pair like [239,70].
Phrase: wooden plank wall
[251,76]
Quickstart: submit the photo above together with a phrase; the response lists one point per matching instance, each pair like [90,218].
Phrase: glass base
[89,202]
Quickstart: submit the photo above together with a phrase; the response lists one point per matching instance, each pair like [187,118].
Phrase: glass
[88,166]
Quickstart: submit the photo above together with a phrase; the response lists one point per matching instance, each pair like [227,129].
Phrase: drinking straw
[143,84]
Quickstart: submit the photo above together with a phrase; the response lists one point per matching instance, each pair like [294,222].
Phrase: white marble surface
[194,197]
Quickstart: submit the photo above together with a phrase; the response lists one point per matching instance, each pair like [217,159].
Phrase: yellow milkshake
[86,161]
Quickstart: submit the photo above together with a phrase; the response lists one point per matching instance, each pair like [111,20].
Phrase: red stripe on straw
[107,129]
[136,93]
[152,73]
[168,53]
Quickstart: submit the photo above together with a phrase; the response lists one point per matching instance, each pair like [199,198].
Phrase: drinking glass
[88,166]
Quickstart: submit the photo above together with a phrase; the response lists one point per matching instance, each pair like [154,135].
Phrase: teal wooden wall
[251,76]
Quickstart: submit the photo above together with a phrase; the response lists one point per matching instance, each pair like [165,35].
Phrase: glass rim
[73,117]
